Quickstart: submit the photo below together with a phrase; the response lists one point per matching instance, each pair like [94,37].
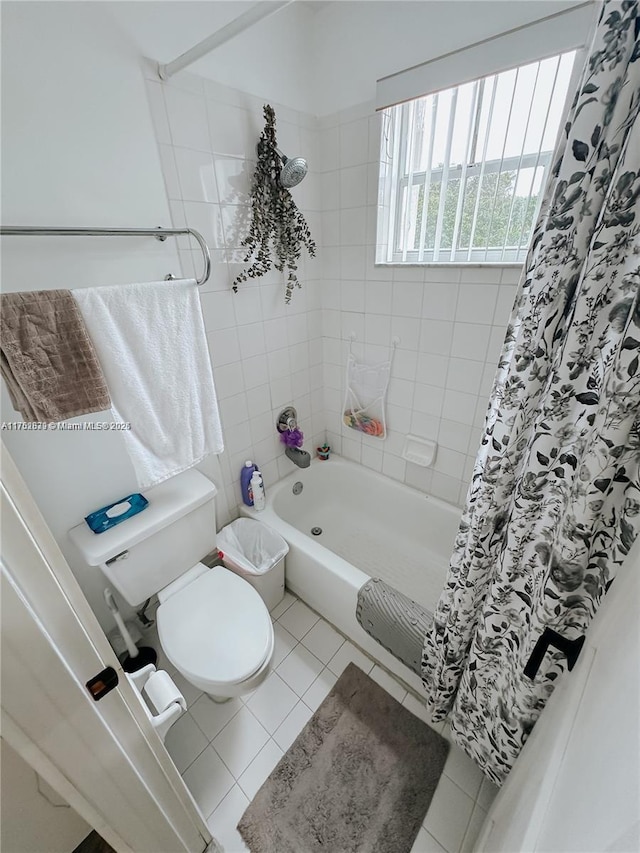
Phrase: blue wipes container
[107,517]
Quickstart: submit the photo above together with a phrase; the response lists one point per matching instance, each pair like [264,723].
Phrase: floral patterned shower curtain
[554,503]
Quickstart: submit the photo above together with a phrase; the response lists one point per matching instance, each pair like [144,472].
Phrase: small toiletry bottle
[245,481]
[257,487]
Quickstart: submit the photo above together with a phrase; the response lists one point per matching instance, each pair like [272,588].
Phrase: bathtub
[371,526]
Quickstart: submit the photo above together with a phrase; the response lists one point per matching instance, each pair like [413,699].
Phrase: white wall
[79,148]
[34,818]
[450,322]
[266,354]
[358,41]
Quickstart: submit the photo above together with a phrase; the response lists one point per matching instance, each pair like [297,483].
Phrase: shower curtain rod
[238,25]
[159,233]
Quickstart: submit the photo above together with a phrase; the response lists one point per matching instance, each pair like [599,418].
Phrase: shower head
[293,170]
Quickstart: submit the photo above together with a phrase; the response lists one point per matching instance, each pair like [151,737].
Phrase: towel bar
[158,233]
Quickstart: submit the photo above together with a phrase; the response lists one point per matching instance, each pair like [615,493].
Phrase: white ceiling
[166,29]
[318,55]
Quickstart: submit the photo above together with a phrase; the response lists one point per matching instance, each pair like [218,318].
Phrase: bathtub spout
[301,458]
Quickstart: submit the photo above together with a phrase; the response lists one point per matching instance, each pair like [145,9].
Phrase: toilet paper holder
[162,693]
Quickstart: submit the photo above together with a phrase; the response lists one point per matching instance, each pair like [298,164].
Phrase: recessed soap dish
[420,451]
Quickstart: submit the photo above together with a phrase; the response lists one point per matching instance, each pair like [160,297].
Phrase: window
[462,170]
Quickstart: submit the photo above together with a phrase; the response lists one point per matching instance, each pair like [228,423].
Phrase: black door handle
[102,683]
[549,637]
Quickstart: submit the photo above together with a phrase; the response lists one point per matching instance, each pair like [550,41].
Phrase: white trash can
[256,552]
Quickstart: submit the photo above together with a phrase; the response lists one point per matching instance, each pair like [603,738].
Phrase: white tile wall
[265,354]
[450,322]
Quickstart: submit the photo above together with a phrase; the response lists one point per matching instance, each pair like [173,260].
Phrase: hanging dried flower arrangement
[278,230]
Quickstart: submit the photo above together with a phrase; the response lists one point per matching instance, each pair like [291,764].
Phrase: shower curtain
[554,503]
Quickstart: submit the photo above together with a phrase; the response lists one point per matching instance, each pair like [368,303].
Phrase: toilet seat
[216,630]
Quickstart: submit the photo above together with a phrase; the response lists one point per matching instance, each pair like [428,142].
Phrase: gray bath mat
[395,621]
[358,779]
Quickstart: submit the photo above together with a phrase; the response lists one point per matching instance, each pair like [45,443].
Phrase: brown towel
[47,358]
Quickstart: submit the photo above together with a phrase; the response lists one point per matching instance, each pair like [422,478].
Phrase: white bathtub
[372,526]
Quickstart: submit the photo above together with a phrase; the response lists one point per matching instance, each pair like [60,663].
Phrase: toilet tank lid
[168,502]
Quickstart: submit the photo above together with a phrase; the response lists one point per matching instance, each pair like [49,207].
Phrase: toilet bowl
[216,631]
[212,624]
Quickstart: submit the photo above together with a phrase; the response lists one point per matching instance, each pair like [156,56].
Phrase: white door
[103,757]
[576,784]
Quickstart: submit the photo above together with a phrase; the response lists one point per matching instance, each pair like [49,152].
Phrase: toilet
[213,626]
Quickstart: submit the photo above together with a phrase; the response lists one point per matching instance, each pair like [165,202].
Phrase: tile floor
[225,752]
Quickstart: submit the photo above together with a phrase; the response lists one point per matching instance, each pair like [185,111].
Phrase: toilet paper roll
[162,691]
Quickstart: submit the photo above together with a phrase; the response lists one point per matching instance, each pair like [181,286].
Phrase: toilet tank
[143,554]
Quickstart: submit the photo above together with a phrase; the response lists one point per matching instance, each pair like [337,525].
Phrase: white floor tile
[185,742]
[285,604]
[426,843]
[257,772]
[323,641]
[320,688]
[208,780]
[346,654]
[300,669]
[240,741]
[298,619]
[289,730]
[446,731]
[488,793]
[188,690]
[478,817]
[388,683]
[244,697]
[225,818]
[448,815]
[463,771]
[419,709]
[272,701]
[212,716]
[284,643]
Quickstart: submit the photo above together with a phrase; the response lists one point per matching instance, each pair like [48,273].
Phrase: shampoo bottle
[245,481]
[257,489]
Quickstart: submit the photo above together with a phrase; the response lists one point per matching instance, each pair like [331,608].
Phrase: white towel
[151,344]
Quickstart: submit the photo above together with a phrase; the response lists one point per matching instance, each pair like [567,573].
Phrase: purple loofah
[292,437]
